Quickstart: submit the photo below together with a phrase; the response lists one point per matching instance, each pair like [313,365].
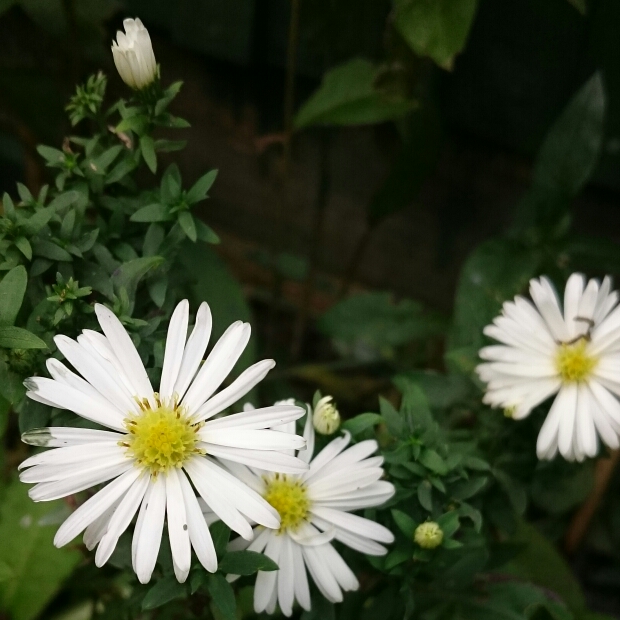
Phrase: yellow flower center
[162,438]
[428,535]
[573,362]
[289,497]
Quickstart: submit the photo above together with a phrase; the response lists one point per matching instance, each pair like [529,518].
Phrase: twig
[579,525]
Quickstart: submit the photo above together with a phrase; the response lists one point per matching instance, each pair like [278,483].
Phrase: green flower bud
[428,535]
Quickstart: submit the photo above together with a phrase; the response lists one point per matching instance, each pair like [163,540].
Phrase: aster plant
[126,356]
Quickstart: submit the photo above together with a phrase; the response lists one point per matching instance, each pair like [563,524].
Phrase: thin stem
[316,243]
[358,252]
[579,525]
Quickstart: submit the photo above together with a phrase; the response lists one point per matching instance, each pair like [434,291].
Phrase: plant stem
[581,520]
[316,243]
[351,270]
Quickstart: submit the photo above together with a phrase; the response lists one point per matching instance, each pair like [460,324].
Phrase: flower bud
[326,418]
[133,55]
[428,535]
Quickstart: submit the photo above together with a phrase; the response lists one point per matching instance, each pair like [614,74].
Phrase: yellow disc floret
[573,362]
[289,497]
[161,438]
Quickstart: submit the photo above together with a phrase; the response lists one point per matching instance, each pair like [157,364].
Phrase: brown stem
[356,257]
[299,330]
[580,522]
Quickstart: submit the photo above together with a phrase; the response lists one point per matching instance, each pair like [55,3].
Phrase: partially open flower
[326,418]
[133,55]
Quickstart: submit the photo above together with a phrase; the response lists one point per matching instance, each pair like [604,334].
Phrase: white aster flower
[575,354]
[160,444]
[314,508]
[133,55]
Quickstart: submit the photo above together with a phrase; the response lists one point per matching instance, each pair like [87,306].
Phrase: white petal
[94,507]
[302,590]
[217,366]
[262,439]
[286,577]
[95,531]
[354,524]
[266,580]
[73,454]
[568,397]
[149,535]
[321,572]
[175,346]
[572,298]
[545,297]
[125,352]
[548,436]
[306,455]
[267,417]
[48,491]
[337,483]
[199,534]
[177,525]
[194,349]
[585,431]
[329,452]
[66,397]
[121,519]
[64,436]
[268,460]
[236,390]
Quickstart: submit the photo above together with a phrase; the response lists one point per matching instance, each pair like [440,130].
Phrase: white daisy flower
[574,354]
[161,446]
[314,508]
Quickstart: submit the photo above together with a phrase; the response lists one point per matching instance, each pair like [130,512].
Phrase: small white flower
[314,508]
[575,354]
[133,55]
[158,442]
[326,418]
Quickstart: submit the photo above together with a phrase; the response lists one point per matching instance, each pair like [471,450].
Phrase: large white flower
[575,354]
[133,55]
[314,509]
[159,442]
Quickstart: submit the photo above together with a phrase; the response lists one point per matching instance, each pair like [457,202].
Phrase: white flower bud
[133,55]
[326,418]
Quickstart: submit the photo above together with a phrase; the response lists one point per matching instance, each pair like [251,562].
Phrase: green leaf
[186,221]
[375,320]
[431,460]
[38,568]
[541,563]
[12,291]
[48,249]
[449,523]
[349,95]
[19,338]
[435,28]
[245,563]
[199,190]
[220,533]
[37,221]
[147,146]
[495,271]
[164,591]
[23,245]
[129,274]
[361,422]
[151,213]
[222,595]
[393,419]
[405,523]
[206,233]
[567,158]
[425,495]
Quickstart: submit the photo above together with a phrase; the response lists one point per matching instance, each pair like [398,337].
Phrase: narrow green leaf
[186,221]
[151,213]
[19,338]
[12,291]
[129,274]
[199,190]
[206,233]
[222,595]
[147,146]
[23,245]
[246,563]
[164,591]
[48,249]
[361,422]
[405,523]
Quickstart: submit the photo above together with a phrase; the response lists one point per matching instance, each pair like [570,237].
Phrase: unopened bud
[428,535]
[326,418]
[133,55]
